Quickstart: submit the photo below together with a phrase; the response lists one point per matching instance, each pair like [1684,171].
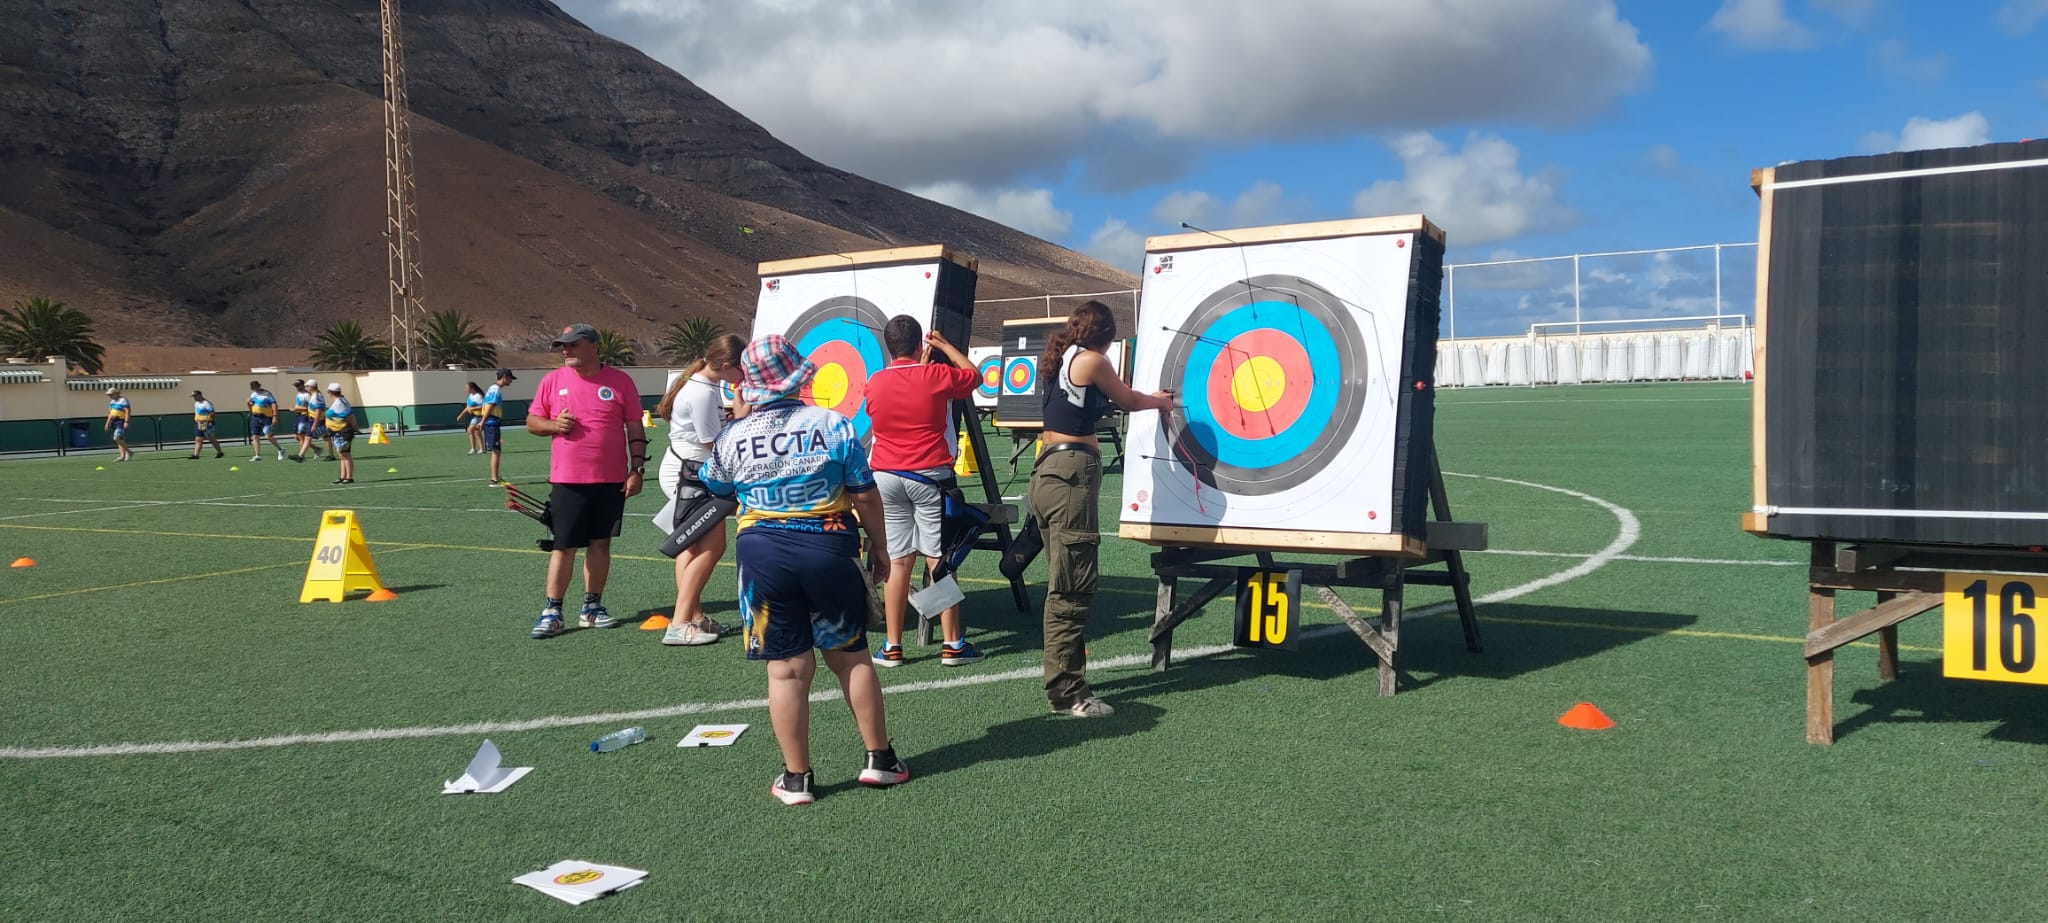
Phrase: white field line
[1627,533]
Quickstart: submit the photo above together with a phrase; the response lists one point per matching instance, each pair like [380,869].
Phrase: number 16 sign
[1989,627]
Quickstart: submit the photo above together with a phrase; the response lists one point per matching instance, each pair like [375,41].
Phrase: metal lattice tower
[401,211]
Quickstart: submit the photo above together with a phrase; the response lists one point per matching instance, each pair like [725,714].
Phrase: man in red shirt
[595,461]
[909,411]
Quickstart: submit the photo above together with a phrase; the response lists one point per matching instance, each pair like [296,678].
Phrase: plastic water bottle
[618,740]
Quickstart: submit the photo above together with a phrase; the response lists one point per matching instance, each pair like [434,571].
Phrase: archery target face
[1282,356]
[835,318]
[988,362]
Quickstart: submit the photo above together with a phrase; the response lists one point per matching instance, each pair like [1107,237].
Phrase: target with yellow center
[841,336]
[991,369]
[1271,380]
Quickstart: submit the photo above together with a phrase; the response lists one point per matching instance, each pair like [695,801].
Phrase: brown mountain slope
[208,172]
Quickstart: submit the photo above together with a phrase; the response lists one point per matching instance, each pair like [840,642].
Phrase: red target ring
[841,382]
[1260,384]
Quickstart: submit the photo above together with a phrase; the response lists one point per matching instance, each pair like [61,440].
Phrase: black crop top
[1069,410]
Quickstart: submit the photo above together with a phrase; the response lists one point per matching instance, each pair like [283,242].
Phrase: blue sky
[1525,128]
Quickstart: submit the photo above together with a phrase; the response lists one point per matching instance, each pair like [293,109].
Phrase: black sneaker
[885,768]
[793,788]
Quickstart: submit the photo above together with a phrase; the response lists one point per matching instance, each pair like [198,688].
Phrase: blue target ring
[1302,325]
[844,328]
[1289,443]
[1020,375]
[990,367]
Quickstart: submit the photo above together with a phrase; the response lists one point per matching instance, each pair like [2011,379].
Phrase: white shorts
[911,511]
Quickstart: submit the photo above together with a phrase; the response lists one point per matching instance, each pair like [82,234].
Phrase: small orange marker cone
[655,622]
[1585,717]
[23,562]
[379,596]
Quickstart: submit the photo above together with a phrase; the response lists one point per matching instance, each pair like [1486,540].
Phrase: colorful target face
[1020,374]
[1282,355]
[842,336]
[1272,384]
[988,363]
[835,317]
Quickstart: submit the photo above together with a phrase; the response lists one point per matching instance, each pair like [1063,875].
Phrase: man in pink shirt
[909,412]
[595,462]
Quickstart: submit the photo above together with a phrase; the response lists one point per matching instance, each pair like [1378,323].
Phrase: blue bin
[81,434]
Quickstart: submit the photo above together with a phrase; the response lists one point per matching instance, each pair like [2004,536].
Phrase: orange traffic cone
[23,562]
[655,622]
[379,596]
[1585,717]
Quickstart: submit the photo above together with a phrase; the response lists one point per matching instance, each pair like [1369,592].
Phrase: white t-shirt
[695,419]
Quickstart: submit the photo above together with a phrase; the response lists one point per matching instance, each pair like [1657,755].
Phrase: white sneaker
[690,634]
[255,458]
[280,455]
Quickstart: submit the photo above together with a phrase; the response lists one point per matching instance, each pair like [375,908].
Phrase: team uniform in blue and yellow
[316,411]
[262,413]
[302,407]
[202,419]
[117,417]
[493,413]
[341,424]
[792,466]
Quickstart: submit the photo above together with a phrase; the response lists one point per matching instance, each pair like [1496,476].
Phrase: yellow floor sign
[341,560]
[378,436]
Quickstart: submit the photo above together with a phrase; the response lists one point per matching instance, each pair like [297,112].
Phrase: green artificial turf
[1243,784]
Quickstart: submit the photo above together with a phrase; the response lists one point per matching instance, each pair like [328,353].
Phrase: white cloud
[1118,245]
[2017,17]
[922,91]
[1854,12]
[1760,25]
[1663,158]
[1028,210]
[1477,195]
[1894,58]
[1261,203]
[1922,134]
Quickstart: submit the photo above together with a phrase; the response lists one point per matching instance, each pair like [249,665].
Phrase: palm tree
[40,327]
[613,348]
[685,343]
[346,347]
[452,338]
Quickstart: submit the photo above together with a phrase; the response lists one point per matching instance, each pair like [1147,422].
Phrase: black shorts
[583,512]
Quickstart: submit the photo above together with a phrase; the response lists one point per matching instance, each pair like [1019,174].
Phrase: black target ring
[1278,309]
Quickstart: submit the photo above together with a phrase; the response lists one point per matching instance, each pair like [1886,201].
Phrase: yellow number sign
[1268,608]
[1990,627]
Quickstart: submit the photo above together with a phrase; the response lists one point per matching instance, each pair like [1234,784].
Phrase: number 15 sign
[1268,608]
[1990,627]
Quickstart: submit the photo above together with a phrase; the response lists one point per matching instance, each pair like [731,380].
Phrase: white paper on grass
[712,735]
[937,598]
[576,880]
[485,776]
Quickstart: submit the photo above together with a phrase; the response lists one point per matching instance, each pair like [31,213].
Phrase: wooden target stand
[996,535]
[1383,562]
[1909,580]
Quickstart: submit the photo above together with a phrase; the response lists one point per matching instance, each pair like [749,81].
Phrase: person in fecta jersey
[798,472]
[695,418]
[339,418]
[596,458]
[262,421]
[472,418]
[117,424]
[1066,492]
[202,426]
[909,410]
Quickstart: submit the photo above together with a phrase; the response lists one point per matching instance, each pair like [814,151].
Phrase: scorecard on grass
[1302,356]
[1902,382]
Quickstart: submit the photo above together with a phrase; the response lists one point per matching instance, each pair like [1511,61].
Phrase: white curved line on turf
[1628,532]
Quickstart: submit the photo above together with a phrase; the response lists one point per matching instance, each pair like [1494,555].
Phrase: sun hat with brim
[775,370]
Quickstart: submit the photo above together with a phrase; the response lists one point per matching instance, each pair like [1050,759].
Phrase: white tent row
[1570,360]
